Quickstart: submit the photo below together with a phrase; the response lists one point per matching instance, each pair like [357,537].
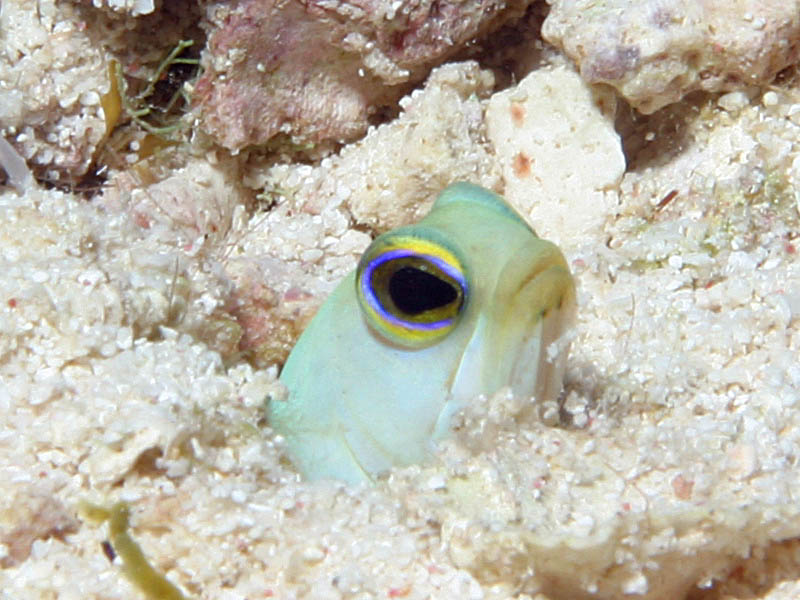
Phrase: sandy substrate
[142,327]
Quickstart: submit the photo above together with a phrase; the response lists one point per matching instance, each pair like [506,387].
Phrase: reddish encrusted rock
[316,70]
[656,52]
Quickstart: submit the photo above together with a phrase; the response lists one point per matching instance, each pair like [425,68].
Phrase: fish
[465,302]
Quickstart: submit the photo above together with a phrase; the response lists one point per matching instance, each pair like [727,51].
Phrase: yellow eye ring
[412,287]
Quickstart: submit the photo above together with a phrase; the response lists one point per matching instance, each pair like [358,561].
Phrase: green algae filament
[135,565]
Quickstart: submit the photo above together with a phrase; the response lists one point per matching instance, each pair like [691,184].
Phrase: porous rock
[51,81]
[561,158]
[656,52]
[317,71]
[391,177]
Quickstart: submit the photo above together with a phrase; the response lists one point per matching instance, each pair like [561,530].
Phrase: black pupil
[414,291]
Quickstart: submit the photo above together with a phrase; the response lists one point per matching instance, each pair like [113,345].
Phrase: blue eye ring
[392,255]
[412,287]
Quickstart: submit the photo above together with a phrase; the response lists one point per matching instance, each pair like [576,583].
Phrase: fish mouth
[519,343]
[538,371]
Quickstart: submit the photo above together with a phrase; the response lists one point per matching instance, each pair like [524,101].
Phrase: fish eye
[412,288]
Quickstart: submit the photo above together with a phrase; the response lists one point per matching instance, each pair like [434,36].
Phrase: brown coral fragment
[39,518]
[316,70]
[656,52]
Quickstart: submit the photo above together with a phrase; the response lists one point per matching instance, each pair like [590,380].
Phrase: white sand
[681,429]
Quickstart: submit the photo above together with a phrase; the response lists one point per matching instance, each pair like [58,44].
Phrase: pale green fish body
[463,303]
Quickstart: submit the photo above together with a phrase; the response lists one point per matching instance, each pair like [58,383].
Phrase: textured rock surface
[132,7]
[562,160]
[52,78]
[674,473]
[392,176]
[656,52]
[317,71]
